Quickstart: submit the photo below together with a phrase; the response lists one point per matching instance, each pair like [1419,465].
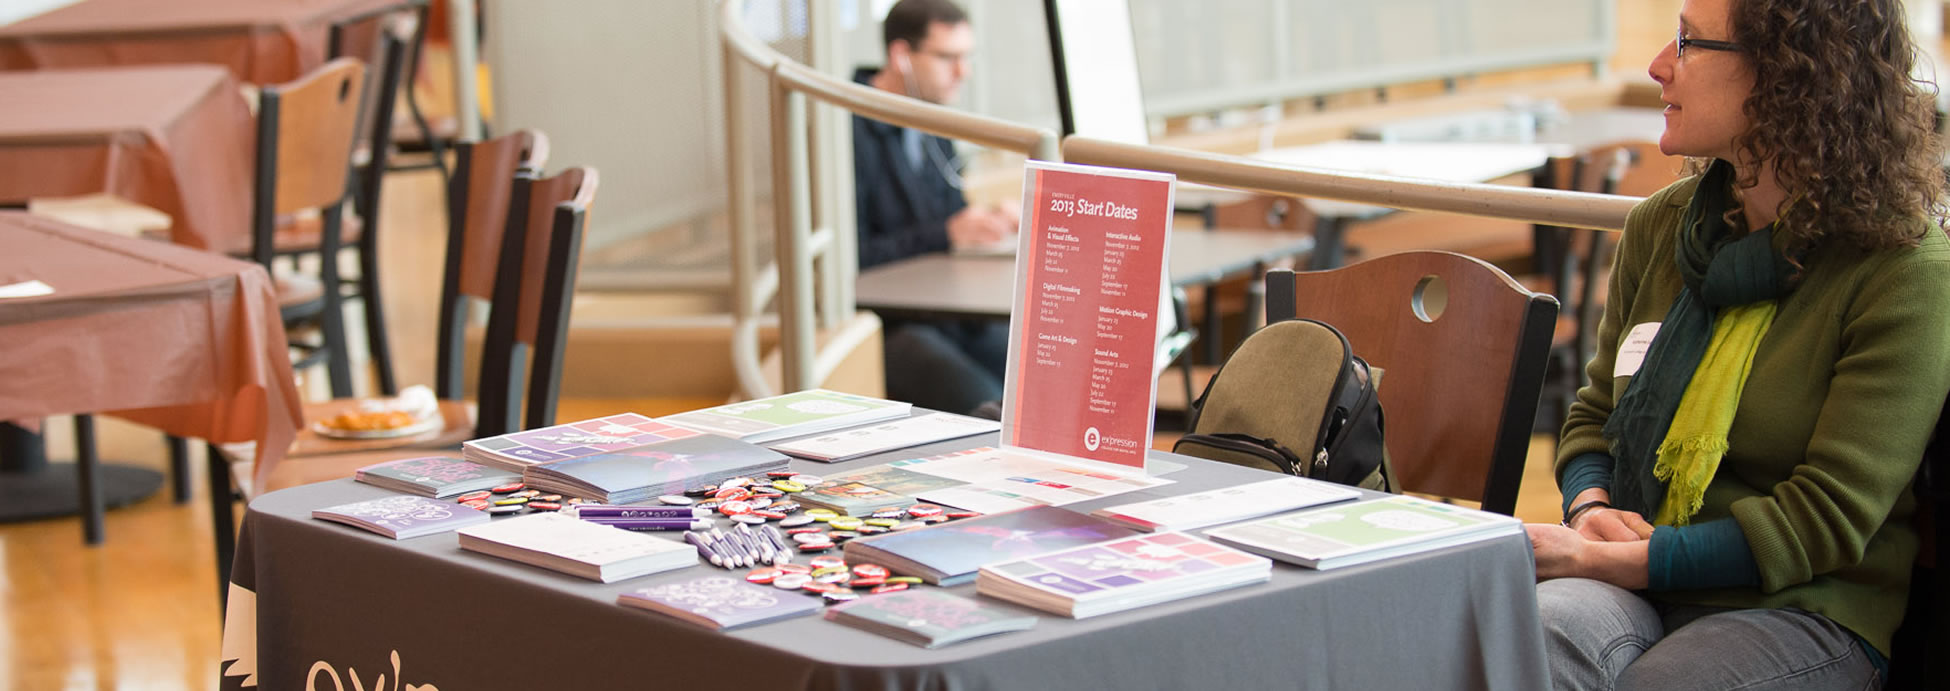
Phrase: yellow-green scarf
[1697,439]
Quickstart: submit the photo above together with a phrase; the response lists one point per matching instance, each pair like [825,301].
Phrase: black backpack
[1293,399]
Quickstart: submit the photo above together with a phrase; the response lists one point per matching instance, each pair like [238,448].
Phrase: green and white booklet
[1363,531]
[791,415]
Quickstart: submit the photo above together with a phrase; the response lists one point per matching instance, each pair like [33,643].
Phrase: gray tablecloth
[332,603]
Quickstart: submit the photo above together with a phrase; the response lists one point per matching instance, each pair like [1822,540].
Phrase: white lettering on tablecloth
[338,684]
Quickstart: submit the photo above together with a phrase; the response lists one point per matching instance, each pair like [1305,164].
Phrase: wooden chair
[305,132]
[1463,348]
[381,37]
[513,239]
[520,367]
[478,200]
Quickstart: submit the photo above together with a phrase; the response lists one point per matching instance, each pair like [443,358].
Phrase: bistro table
[338,602]
[940,284]
[259,41]
[171,337]
[174,137]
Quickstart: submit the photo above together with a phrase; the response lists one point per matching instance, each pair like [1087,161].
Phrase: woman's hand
[1559,550]
[1562,553]
[1605,524]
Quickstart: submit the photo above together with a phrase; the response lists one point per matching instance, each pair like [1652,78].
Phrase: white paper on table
[25,289]
[886,436]
[1228,504]
[1015,475]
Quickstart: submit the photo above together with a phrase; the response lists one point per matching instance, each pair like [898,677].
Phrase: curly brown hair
[1851,133]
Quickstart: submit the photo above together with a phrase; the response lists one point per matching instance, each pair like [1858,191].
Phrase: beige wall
[632,87]
[1644,27]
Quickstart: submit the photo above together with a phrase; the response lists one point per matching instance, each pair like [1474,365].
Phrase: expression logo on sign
[1091,439]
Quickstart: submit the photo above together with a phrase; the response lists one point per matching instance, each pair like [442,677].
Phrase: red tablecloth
[178,138]
[183,340]
[260,41]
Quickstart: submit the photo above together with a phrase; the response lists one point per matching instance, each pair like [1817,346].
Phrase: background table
[259,41]
[182,340]
[983,286]
[340,598]
[1445,161]
[178,138]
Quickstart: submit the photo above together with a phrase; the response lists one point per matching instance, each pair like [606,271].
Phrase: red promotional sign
[1084,328]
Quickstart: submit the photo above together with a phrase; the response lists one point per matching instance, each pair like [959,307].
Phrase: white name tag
[1631,352]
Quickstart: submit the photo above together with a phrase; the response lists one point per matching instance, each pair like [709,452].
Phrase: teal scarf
[1720,271]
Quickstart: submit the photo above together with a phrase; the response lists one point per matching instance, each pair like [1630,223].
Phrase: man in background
[908,193]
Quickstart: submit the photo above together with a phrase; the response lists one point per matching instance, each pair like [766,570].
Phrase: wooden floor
[140,611]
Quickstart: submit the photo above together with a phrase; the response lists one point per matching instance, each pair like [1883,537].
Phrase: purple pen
[607,511]
[725,557]
[733,546]
[703,550]
[763,546]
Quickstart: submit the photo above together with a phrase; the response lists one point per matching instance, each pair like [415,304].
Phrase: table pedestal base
[55,492]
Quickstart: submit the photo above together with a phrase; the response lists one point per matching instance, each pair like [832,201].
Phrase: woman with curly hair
[1774,354]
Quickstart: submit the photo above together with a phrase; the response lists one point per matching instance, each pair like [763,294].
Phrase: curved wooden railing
[810,234]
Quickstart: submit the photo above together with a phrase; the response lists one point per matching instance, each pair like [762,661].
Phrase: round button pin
[675,500]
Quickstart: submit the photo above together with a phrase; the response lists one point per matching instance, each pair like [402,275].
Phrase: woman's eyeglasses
[1679,39]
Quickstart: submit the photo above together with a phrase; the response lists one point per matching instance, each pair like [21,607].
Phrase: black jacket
[902,210]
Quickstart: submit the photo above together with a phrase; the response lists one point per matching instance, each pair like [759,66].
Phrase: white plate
[430,423]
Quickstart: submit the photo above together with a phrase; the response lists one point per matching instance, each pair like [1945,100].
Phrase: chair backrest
[386,38]
[539,254]
[304,147]
[1463,348]
[478,197]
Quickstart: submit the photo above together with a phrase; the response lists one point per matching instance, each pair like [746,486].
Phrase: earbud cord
[948,169]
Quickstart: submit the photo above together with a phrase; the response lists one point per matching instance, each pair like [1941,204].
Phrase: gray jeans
[1601,636]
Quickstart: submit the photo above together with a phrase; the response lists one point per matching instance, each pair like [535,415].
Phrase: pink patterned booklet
[404,516]
[929,617]
[438,477]
[1121,574]
[720,602]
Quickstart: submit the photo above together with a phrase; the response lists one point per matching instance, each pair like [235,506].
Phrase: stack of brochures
[795,414]
[1227,504]
[402,517]
[576,547]
[950,553]
[666,467]
[439,477]
[1347,534]
[929,618]
[518,450]
[720,602]
[1120,575]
